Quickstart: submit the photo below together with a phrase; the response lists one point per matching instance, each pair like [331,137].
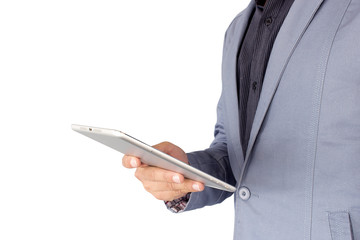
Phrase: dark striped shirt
[253,57]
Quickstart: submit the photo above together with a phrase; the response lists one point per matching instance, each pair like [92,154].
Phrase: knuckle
[138,174]
[178,189]
[179,193]
[171,186]
[164,196]
[153,174]
[159,196]
[147,186]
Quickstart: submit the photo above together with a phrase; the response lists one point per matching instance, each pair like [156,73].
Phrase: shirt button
[268,21]
[244,193]
[254,86]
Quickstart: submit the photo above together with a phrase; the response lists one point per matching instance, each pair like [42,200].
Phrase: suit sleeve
[214,161]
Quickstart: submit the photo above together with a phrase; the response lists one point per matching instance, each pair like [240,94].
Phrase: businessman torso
[299,177]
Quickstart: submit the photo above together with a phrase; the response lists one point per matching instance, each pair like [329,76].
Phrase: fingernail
[196,187]
[133,163]
[176,179]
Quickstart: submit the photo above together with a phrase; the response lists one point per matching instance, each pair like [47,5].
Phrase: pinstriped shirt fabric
[253,57]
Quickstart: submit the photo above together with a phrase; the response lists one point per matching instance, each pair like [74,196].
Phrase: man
[293,151]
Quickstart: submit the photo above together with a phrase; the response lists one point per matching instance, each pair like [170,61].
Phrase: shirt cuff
[178,205]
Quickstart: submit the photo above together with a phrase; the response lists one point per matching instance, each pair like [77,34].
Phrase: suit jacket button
[244,193]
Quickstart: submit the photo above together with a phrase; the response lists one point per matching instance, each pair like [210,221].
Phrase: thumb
[172,150]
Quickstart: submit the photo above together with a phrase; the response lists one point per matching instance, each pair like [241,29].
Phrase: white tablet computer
[149,155]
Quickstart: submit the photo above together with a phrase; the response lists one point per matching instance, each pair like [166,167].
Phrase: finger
[187,186]
[168,196]
[174,194]
[155,174]
[176,188]
[131,161]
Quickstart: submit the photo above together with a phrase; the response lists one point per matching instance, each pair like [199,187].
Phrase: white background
[149,68]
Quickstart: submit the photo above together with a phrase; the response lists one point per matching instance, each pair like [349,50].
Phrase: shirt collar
[260,3]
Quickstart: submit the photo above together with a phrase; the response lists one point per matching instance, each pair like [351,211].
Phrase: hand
[163,184]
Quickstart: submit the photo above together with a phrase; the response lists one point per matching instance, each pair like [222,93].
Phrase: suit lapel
[293,28]
[230,93]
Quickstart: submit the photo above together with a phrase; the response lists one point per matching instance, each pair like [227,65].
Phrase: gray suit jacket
[300,178]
